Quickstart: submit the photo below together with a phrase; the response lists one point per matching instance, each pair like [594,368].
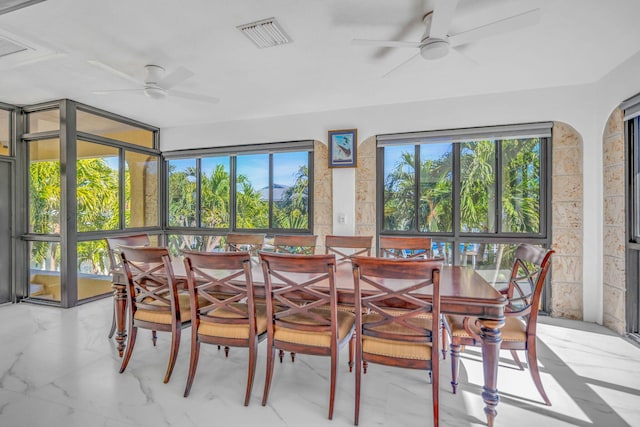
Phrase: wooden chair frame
[394,246]
[295,243]
[360,245]
[302,297]
[222,294]
[151,286]
[523,306]
[391,308]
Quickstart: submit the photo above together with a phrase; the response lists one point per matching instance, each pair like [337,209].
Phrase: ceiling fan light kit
[434,49]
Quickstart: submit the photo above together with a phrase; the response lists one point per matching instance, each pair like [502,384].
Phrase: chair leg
[154,337]
[281,355]
[435,390]
[113,321]
[271,355]
[352,342]
[193,362]
[334,375]
[251,371]
[358,376]
[175,346]
[516,359]
[455,365]
[444,339]
[532,361]
[293,357]
[226,351]
[130,344]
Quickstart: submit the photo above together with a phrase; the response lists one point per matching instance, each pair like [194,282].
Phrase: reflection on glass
[113,129]
[442,250]
[5,133]
[521,185]
[215,192]
[44,270]
[493,261]
[399,187]
[436,164]
[43,121]
[141,189]
[182,193]
[97,187]
[291,190]
[93,269]
[252,191]
[477,186]
[177,243]
[44,186]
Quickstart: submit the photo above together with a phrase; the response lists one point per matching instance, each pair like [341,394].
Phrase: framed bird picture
[342,148]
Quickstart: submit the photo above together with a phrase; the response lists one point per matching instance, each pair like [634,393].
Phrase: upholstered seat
[514,329]
[230,330]
[345,327]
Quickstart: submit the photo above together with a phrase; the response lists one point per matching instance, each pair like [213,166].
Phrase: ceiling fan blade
[512,23]
[179,75]
[194,96]
[441,18]
[401,65]
[111,91]
[114,71]
[384,43]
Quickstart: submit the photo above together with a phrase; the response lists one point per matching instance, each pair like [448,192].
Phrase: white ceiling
[575,42]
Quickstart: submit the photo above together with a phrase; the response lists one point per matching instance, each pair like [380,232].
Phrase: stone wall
[366,189]
[614,288]
[322,194]
[566,222]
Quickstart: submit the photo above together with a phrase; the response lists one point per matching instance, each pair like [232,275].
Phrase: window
[265,188]
[476,192]
[5,132]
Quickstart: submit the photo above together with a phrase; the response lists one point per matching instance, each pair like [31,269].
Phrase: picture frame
[343,145]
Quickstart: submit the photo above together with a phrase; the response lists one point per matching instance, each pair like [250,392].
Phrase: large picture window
[476,192]
[265,188]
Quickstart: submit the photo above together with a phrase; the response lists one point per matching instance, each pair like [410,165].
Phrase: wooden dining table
[462,292]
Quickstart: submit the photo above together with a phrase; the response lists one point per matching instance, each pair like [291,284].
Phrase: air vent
[7,6]
[265,33]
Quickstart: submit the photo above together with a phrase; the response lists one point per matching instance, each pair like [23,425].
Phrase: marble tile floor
[58,368]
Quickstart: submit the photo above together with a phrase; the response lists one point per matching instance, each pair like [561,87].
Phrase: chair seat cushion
[211,328]
[164,316]
[346,321]
[394,348]
[514,328]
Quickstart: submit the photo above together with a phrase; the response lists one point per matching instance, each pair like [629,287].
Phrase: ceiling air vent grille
[265,33]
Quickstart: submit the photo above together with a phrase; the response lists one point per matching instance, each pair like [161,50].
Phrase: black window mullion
[122,177]
[455,201]
[198,178]
[416,190]
[270,192]
[498,187]
[233,170]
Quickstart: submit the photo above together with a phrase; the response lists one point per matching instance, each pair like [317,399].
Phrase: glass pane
[5,133]
[141,189]
[44,186]
[93,269]
[477,186]
[43,121]
[521,185]
[493,261]
[97,187]
[177,243]
[113,129]
[252,191]
[399,188]
[291,190]
[436,178]
[182,193]
[44,270]
[215,192]
[442,250]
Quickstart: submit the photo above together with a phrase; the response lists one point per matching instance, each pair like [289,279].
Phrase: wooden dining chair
[521,315]
[295,243]
[250,242]
[223,307]
[396,300]
[405,247]
[116,270]
[345,247]
[153,299]
[302,311]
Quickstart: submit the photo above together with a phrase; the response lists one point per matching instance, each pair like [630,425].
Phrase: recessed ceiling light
[265,33]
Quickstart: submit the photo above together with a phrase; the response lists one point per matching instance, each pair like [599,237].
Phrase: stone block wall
[322,194]
[366,189]
[614,288]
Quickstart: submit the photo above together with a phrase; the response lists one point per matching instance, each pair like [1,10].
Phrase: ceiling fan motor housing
[434,48]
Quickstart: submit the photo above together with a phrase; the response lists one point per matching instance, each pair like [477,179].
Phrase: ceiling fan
[156,84]
[436,42]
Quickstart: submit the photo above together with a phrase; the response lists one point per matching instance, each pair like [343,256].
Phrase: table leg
[491,338]
[120,301]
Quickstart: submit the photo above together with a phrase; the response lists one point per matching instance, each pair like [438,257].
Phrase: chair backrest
[151,283]
[219,284]
[251,242]
[295,243]
[113,246]
[396,292]
[527,279]
[405,247]
[346,247]
[302,287]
